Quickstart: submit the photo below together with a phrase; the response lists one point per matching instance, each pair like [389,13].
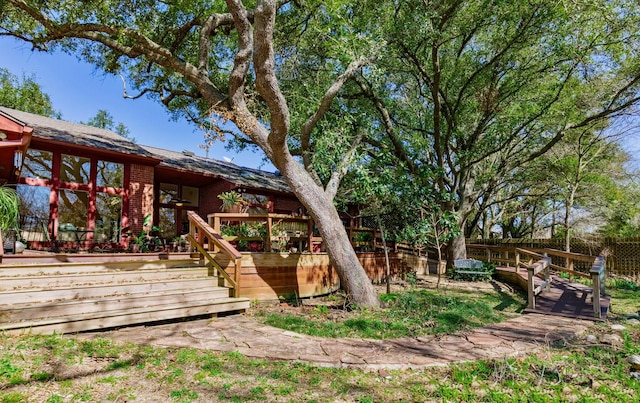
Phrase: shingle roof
[89,136]
[253,178]
[76,133]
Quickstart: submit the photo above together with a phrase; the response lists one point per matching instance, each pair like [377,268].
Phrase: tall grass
[9,209]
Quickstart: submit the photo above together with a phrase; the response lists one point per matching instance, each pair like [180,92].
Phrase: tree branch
[323,108]
[336,176]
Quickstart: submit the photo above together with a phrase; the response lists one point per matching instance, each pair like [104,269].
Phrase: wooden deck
[563,299]
[71,295]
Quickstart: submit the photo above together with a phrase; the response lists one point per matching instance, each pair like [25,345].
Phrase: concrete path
[522,335]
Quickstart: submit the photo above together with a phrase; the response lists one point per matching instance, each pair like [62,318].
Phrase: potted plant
[232,202]
[9,217]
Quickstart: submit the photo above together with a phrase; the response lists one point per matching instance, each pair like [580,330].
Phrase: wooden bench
[470,267]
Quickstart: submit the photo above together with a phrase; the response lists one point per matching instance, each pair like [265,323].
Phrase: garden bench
[470,267]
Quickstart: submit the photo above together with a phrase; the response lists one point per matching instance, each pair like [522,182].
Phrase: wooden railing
[278,228]
[539,261]
[296,231]
[597,277]
[541,266]
[199,231]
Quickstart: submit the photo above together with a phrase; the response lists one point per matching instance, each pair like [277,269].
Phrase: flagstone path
[519,336]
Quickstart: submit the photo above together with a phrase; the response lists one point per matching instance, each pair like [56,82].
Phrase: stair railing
[199,231]
[526,258]
[541,266]
[597,278]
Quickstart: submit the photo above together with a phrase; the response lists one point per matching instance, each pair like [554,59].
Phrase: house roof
[88,136]
[76,133]
[241,176]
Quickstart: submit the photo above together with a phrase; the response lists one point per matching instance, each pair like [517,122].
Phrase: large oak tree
[203,58]
[473,90]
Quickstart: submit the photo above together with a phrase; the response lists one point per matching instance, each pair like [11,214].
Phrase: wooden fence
[623,254]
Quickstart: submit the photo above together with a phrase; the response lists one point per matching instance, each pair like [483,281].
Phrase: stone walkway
[522,335]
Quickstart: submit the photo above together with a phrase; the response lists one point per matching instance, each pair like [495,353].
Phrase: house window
[34,212]
[108,213]
[110,174]
[38,164]
[167,221]
[75,169]
[258,204]
[34,201]
[190,196]
[73,208]
[168,192]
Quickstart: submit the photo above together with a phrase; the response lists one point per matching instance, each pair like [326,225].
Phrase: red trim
[126,194]
[75,149]
[53,196]
[35,182]
[91,214]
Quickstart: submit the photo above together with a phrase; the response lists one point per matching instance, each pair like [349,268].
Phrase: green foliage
[8,370]
[624,284]
[100,348]
[9,209]
[13,397]
[104,120]
[230,199]
[410,313]
[24,94]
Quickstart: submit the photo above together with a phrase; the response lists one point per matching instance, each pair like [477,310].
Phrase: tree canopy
[456,95]
[24,94]
[104,120]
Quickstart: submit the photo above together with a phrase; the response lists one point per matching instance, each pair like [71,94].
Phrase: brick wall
[140,196]
[209,202]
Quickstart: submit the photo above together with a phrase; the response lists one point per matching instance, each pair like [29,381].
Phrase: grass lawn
[415,310]
[63,369]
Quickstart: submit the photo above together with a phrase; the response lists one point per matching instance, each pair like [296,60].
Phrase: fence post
[547,272]
[530,287]
[597,279]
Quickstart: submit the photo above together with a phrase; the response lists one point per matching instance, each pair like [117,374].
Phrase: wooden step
[41,295]
[70,309]
[97,278]
[92,267]
[103,320]
[87,295]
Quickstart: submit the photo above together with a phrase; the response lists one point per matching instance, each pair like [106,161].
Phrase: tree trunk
[353,278]
[457,249]
[273,141]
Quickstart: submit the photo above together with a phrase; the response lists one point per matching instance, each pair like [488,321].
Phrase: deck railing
[597,277]
[201,234]
[285,233]
[532,260]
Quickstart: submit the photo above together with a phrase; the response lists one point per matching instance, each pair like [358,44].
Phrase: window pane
[72,209]
[34,201]
[75,169]
[191,195]
[184,224]
[168,191]
[108,214]
[110,174]
[167,222]
[37,164]
[34,212]
[258,204]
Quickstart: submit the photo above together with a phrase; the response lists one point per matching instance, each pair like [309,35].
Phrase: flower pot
[255,246]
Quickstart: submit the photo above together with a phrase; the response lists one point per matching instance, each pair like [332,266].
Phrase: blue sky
[78,91]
